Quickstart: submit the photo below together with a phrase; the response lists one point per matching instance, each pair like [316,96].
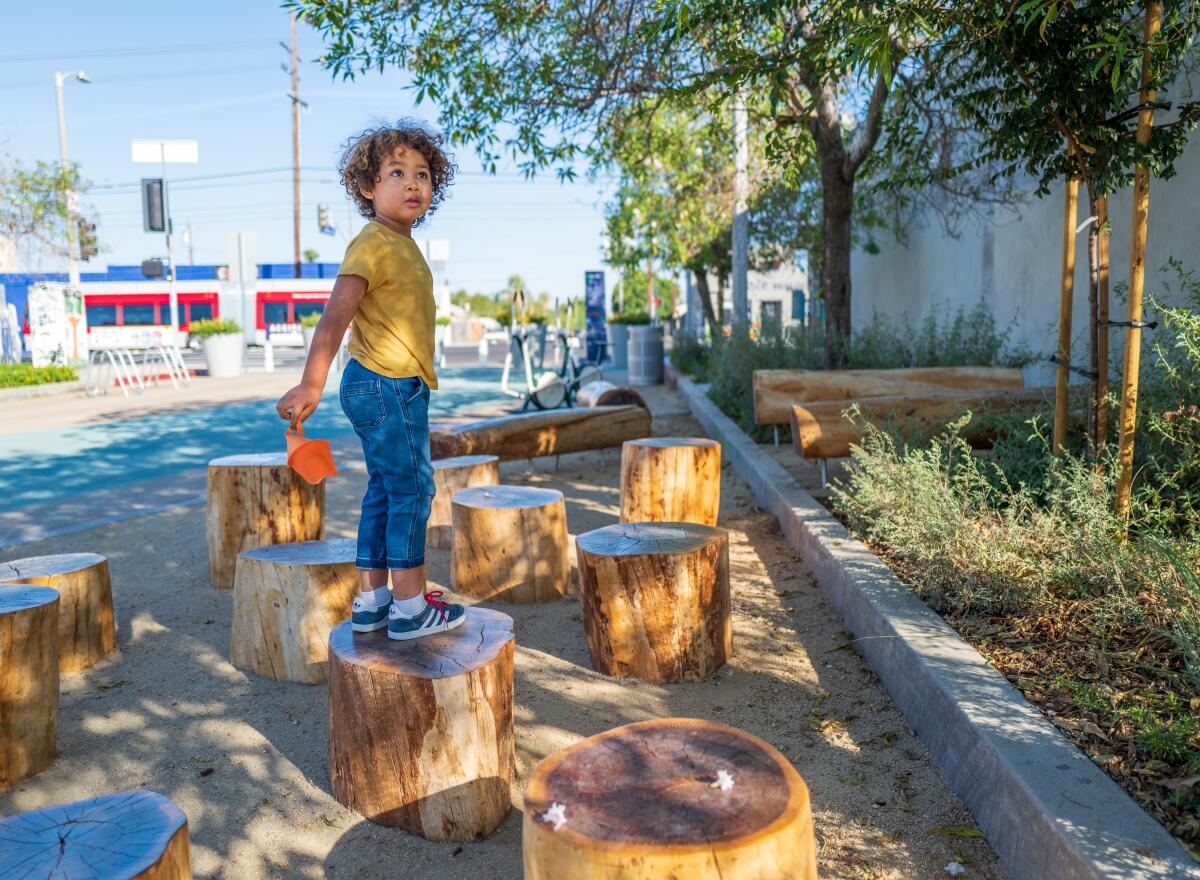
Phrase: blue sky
[211,72]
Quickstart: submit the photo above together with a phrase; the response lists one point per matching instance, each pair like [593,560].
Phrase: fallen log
[776,391]
[821,429]
[672,797]
[607,394]
[553,432]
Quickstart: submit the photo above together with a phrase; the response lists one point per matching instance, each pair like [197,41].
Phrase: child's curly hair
[362,156]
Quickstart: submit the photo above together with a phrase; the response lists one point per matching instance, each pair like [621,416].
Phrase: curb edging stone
[1047,810]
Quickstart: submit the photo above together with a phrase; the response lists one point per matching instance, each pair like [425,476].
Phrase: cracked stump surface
[247,758]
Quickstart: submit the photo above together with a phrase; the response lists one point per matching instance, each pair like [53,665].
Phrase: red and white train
[137,314]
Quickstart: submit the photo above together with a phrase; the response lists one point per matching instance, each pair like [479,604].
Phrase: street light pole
[72,198]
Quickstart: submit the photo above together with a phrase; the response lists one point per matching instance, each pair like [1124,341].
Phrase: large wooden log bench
[132,835]
[452,475]
[553,432]
[671,479]
[87,629]
[28,682]
[256,501]
[673,797]
[777,391]
[421,731]
[822,429]
[656,600]
[510,544]
[603,393]
[287,598]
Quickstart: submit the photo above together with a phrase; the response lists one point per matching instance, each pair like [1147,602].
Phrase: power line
[141,51]
[207,72]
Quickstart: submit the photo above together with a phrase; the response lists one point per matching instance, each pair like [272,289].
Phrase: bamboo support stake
[1066,297]
[1137,275]
[1102,322]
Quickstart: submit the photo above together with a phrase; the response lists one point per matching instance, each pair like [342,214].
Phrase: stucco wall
[1014,262]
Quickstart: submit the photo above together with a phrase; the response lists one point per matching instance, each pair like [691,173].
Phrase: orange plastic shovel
[311,459]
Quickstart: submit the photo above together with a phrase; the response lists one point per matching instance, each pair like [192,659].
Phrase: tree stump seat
[656,600]
[133,835]
[451,475]
[421,731]
[28,682]
[671,479]
[256,501]
[87,629]
[287,598]
[673,797]
[510,544]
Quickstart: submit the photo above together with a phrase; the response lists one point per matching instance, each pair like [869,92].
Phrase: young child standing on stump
[397,176]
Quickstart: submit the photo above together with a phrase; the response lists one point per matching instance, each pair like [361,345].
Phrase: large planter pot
[645,355]
[223,355]
[618,334]
[308,333]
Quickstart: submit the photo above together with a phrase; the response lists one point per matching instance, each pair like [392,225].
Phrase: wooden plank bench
[776,391]
[553,432]
[821,430]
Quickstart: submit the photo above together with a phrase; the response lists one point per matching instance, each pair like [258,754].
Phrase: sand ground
[245,757]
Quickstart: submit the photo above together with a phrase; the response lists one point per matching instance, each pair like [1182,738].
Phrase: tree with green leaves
[545,82]
[33,204]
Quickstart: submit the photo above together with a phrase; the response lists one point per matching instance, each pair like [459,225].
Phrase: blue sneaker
[436,617]
[366,618]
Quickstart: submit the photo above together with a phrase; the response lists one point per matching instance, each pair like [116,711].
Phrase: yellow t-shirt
[393,329]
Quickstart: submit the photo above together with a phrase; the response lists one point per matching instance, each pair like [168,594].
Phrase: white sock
[376,597]
[409,607]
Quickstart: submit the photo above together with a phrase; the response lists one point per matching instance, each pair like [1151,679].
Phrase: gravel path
[246,757]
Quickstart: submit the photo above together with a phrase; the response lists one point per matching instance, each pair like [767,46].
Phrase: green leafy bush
[20,375]
[204,329]
[630,318]
[443,320]
[312,319]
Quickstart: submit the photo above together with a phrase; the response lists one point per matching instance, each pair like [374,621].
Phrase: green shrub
[205,329]
[21,375]
[312,319]
[630,318]
[443,320]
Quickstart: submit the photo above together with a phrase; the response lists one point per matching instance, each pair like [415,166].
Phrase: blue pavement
[51,465]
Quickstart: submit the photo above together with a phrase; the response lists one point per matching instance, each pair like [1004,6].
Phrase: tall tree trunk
[1137,275]
[839,164]
[837,204]
[721,297]
[714,326]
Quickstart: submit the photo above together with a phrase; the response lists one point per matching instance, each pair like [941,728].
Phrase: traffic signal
[154,212]
[87,238]
[324,221]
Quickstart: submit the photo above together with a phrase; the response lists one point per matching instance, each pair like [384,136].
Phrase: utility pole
[72,197]
[741,216]
[295,96]
[187,239]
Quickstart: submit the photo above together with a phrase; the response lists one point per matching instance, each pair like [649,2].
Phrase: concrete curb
[1047,810]
[49,389]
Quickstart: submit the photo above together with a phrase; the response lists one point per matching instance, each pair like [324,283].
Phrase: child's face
[403,188]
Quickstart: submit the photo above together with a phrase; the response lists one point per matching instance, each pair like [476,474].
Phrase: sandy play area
[246,757]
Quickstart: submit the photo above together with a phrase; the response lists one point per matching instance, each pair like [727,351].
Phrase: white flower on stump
[724,780]
[556,815]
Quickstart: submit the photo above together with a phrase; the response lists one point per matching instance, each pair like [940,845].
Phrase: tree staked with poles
[1065,92]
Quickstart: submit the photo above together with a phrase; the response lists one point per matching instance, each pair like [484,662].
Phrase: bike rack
[124,370]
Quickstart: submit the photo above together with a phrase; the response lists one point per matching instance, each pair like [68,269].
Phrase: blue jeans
[391,418]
